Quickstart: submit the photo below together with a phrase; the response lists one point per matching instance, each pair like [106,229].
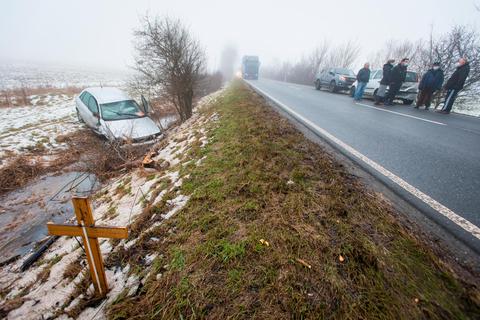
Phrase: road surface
[433,158]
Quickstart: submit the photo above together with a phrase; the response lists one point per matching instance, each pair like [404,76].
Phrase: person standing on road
[431,81]
[397,77]
[363,76]
[387,69]
[455,84]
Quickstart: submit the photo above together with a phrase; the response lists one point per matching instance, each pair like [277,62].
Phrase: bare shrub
[170,61]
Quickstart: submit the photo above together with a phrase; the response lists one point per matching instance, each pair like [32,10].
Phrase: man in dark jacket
[363,76]
[397,77]
[387,69]
[431,81]
[455,84]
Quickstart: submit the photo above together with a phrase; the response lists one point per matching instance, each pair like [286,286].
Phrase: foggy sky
[99,33]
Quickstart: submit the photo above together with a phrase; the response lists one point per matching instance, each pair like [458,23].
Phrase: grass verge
[275,228]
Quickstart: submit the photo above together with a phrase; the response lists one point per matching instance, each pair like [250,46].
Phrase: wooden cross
[90,233]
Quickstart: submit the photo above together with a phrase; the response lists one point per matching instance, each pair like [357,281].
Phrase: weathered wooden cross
[90,233]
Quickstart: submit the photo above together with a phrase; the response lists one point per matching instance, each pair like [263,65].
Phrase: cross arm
[92,232]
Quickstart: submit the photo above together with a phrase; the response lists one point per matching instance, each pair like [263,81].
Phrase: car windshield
[119,110]
[345,72]
[411,76]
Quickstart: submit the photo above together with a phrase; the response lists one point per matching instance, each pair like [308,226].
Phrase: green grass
[241,193]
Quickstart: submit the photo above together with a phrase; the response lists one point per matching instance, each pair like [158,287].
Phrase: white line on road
[400,114]
[440,208]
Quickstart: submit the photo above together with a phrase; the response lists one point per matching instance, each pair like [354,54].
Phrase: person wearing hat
[387,68]
[431,81]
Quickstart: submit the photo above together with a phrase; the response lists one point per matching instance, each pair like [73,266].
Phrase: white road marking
[440,208]
[400,114]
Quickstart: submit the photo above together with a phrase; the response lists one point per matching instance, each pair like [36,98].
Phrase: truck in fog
[250,66]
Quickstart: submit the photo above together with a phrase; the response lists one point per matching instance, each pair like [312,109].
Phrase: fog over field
[99,33]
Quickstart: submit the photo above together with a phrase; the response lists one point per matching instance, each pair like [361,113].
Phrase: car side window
[84,97]
[92,104]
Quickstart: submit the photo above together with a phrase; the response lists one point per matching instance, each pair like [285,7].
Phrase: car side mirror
[145,105]
[331,73]
[96,115]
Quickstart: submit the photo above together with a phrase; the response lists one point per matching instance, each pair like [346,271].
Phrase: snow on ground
[17,75]
[119,203]
[36,126]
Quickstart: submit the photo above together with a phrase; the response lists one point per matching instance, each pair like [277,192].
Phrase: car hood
[132,128]
[409,86]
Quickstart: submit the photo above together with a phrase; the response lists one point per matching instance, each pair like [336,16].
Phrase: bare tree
[169,58]
[344,55]
[460,42]
[304,70]
[395,49]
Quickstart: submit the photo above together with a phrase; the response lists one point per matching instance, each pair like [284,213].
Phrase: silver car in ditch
[110,112]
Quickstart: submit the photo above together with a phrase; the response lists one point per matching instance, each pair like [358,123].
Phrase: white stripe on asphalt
[401,114]
[440,208]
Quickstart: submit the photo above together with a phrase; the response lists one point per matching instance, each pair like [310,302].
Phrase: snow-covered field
[30,75]
[44,299]
[37,126]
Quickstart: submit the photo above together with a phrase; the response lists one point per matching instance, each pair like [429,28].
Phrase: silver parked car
[111,113]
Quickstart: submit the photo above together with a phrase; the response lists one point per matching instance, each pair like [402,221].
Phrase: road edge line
[401,114]
[466,225]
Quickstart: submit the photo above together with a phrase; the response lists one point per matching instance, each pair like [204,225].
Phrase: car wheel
[318,86]
[332,87]
[352,91]
[79,117]
[407,102]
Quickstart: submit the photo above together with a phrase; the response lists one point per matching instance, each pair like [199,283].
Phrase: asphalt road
[435,158]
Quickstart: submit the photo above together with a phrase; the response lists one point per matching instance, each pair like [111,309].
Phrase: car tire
[352,91]
[318,86]
[332,87]
[79,117]
[407,102]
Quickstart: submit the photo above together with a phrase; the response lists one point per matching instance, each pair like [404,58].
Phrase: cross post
[90,233]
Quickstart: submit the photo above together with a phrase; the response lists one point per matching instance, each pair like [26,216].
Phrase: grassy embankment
[276,229]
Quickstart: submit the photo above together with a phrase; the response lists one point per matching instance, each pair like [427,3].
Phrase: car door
[92,117]
[82,105]
[371,82]
[330,76]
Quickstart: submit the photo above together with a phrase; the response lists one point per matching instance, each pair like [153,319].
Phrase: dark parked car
[335,79]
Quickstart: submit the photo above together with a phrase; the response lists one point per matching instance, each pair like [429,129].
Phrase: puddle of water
[24,213]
